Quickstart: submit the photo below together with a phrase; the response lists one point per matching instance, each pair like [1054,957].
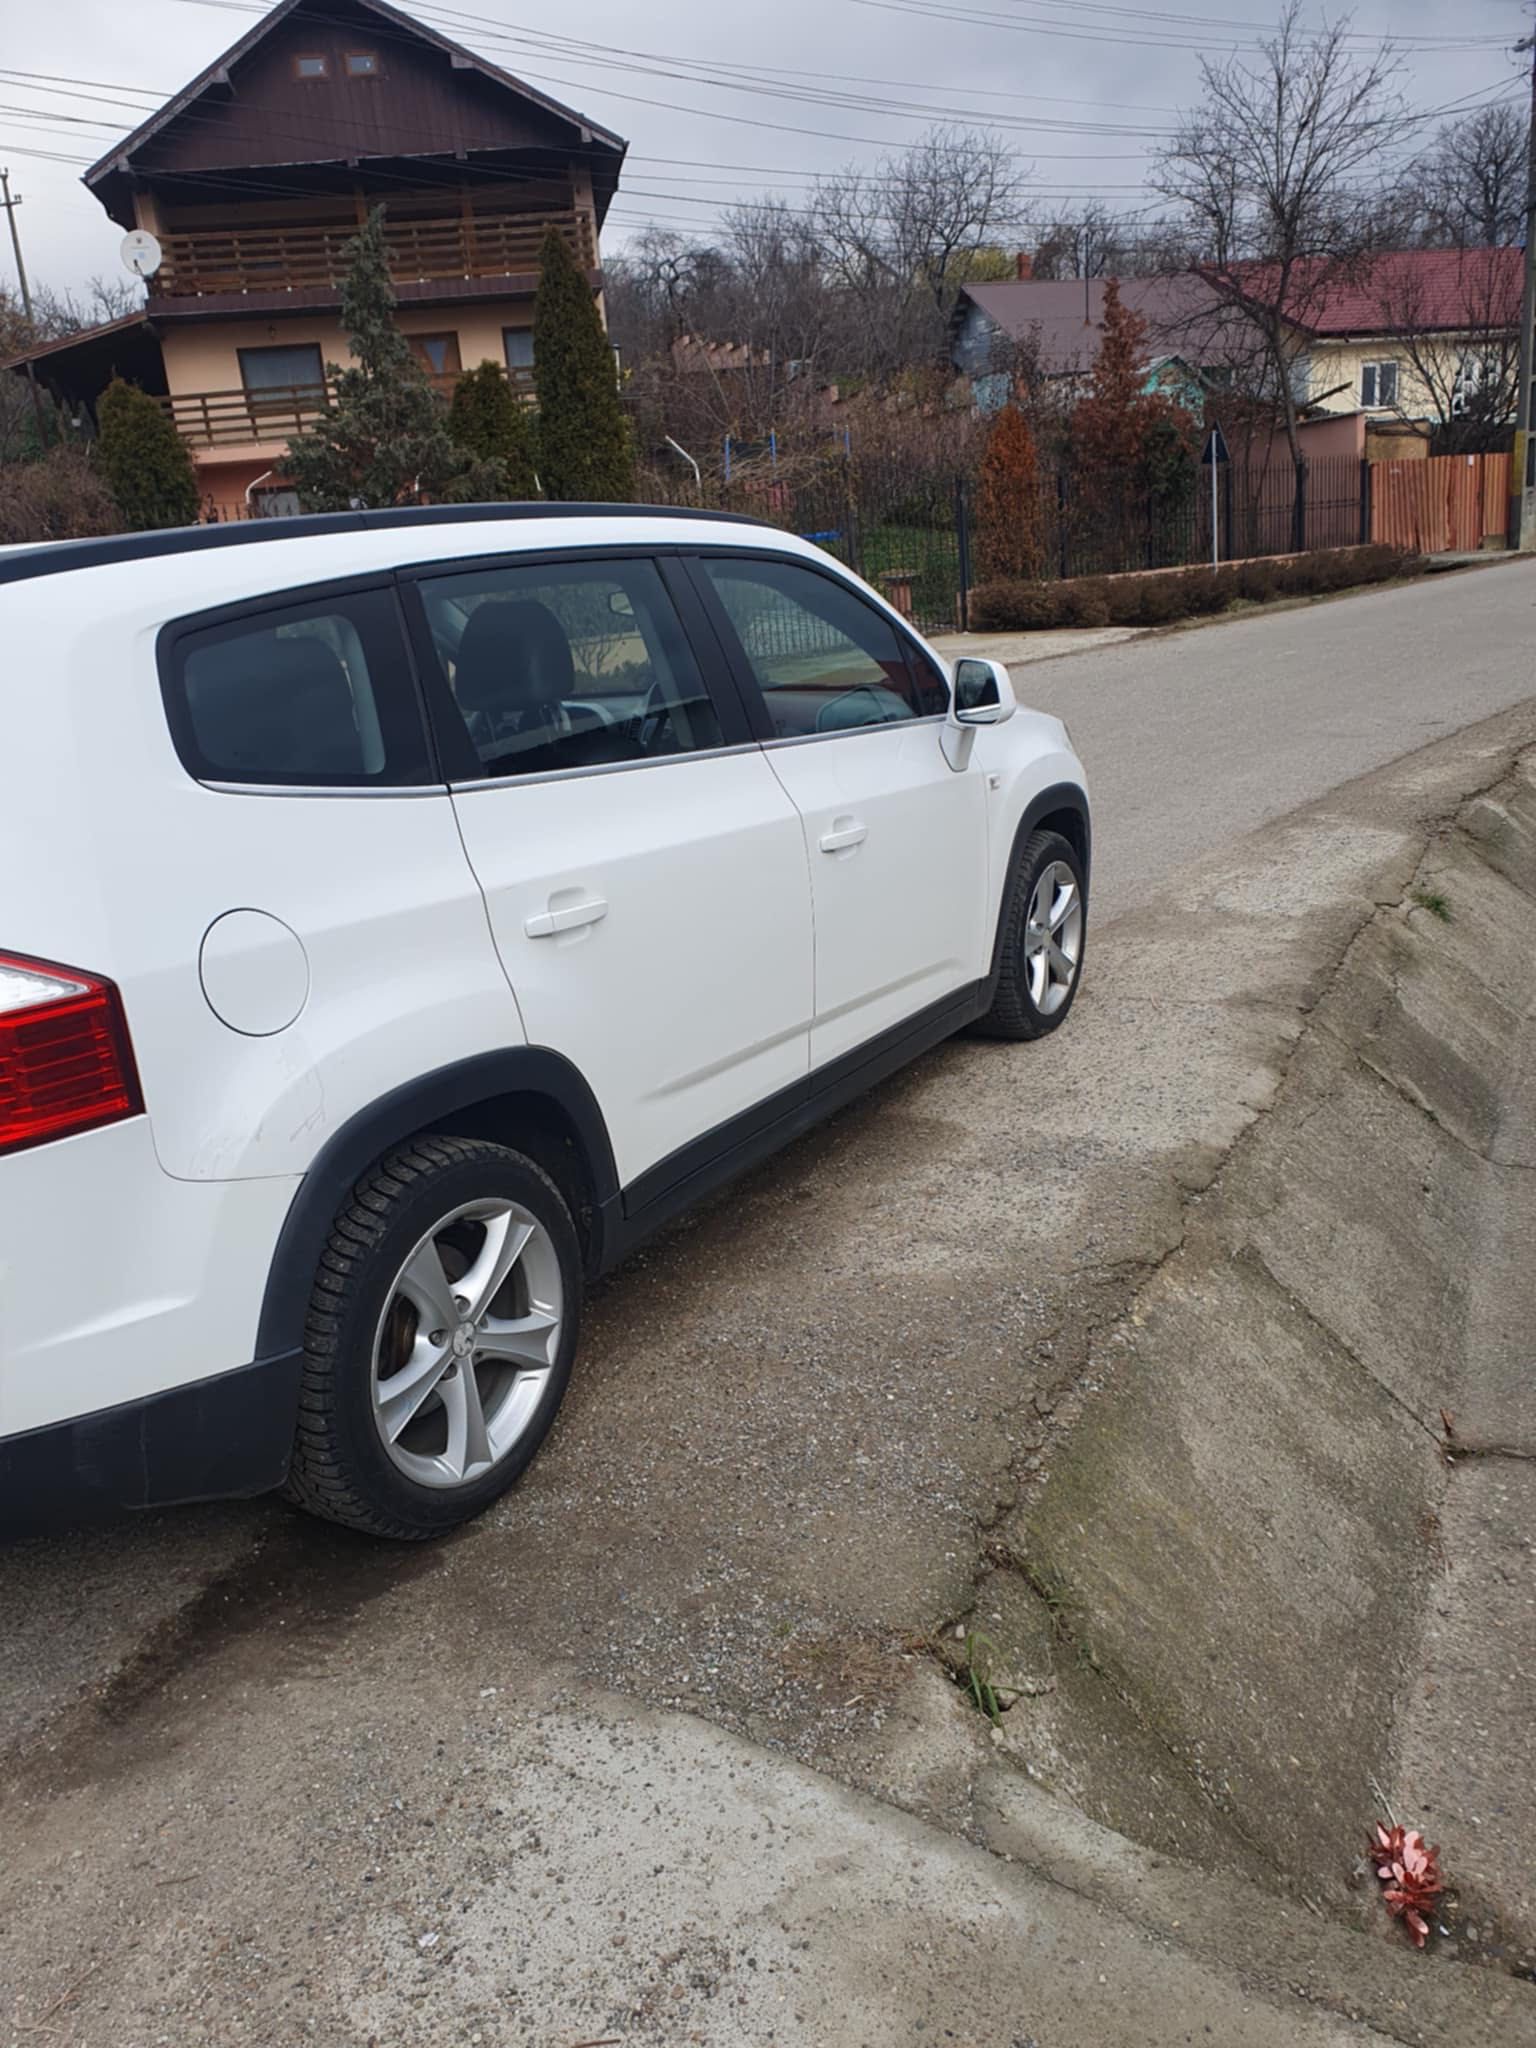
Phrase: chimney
[1026,266]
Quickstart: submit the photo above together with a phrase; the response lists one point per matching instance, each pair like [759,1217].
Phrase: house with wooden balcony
[253,179]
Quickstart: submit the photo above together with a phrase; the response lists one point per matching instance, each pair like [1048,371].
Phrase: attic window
[362,64]
[311,67]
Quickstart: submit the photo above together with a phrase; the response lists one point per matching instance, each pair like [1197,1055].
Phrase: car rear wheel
[439,1339]
[1044,931]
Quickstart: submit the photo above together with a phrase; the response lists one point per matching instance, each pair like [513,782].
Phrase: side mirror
[983,693]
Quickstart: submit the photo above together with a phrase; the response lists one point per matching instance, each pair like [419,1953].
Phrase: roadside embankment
[1277,1571]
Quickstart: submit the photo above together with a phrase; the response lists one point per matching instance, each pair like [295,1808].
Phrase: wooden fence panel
[1449,504]
[1495,475]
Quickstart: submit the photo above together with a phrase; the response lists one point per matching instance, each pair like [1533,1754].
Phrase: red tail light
[66,1062]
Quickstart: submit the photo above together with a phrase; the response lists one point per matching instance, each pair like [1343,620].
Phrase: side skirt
[731,1149]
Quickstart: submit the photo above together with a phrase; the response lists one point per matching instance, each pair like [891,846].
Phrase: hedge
[1157,600]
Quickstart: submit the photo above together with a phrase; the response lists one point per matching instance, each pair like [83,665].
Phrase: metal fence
[913,531]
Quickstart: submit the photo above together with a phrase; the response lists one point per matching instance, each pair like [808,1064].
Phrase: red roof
[1452,289]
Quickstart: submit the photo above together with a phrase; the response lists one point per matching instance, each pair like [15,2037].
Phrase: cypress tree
[584,442]
[489,420]
[144,460]
[1008,500]
[385,440]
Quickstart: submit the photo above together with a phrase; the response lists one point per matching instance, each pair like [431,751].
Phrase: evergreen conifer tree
[385,440]
[490,421]
[143,459]
[583,437]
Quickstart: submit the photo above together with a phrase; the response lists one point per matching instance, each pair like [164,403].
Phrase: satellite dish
[141,252]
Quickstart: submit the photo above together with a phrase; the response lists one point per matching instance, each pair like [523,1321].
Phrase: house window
[311,67]
[277,379]
[518,343]
[1479,375]
[1378,386]
[438,354]
[276,504]
[361,64]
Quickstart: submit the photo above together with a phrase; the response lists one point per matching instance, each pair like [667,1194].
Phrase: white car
[403,914]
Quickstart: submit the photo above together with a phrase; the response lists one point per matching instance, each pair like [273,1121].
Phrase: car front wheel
[439,1339]
[1044,931]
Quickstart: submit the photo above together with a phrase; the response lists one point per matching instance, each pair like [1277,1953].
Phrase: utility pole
[1522,468]
[10,204]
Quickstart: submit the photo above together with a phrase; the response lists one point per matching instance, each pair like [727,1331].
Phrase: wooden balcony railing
[307,258]
[225,419]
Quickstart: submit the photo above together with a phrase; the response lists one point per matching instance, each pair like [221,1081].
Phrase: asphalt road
[1192,739]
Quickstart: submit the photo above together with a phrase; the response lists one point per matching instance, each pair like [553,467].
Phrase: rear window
[309,696]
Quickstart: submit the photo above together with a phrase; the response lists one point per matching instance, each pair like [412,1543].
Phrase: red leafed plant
[1410,1873]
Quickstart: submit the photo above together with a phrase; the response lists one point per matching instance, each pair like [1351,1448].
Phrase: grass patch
[977,1675]
[1432,901]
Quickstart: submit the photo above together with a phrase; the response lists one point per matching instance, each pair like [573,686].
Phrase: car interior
[533,670]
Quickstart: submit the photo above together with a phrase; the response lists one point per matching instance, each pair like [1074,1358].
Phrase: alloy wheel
[1053,937]
[467,1342]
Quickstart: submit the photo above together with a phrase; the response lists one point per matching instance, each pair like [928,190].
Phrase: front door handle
[548,922]
[845,833]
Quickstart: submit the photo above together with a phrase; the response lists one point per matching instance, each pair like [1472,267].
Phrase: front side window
[567,665]
[518,343]
[825,660]
[1378,385]
[314,695]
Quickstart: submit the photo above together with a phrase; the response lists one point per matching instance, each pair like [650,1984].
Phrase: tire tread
[319,1475]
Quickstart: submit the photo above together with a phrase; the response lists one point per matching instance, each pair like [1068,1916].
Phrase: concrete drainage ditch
[1276,1574]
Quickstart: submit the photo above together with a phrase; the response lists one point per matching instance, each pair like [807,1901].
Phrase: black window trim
[401,675]
[454,749]
[740,664]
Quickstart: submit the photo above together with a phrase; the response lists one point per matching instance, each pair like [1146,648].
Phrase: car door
[851,711]
[643,868]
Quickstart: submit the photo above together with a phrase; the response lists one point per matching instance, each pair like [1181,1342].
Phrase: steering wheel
[654,719]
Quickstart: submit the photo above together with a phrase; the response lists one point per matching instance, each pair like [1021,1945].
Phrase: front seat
[511,677]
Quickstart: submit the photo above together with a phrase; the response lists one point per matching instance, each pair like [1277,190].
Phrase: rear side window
[315,695]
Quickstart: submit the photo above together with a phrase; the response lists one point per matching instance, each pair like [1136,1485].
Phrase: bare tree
[899,242]
[1264,174]
[1467,190]
[1460,345]
[1086,240]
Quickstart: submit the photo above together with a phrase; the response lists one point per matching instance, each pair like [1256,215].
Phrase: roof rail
[51,558]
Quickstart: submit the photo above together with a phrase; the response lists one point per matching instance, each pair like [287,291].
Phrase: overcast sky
[724,102]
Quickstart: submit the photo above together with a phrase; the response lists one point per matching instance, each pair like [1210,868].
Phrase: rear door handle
[548,922]
[847,832]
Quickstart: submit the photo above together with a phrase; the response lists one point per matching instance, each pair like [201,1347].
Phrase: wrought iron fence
[911,530]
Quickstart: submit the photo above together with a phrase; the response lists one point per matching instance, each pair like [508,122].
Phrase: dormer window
[311,67]
[362,64]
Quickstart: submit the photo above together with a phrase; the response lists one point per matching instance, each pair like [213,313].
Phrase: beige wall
[1341,363]
[205,357]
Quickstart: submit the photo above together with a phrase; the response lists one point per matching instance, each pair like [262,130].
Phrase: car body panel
[740,981]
